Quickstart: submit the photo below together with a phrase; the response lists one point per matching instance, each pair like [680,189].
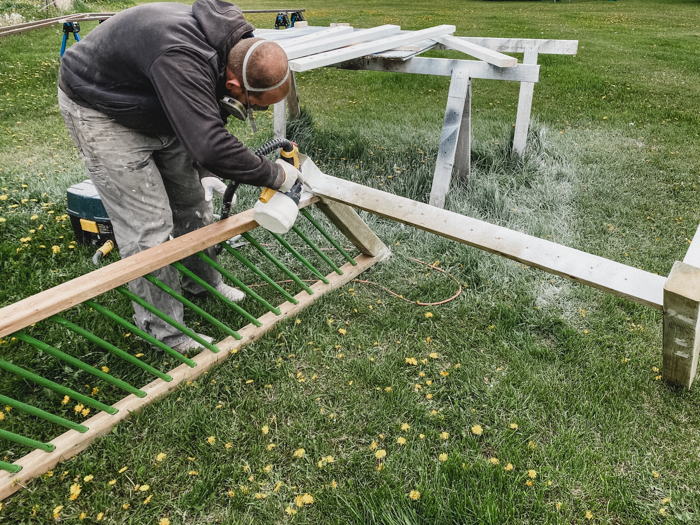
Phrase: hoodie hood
[223,25]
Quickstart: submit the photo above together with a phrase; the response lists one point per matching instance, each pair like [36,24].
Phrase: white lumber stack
[477,51]
[340,55]
[305,46]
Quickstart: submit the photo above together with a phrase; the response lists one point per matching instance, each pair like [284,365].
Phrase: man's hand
[291,175]
[212,185]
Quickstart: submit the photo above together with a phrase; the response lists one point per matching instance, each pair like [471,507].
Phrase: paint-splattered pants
[151,189]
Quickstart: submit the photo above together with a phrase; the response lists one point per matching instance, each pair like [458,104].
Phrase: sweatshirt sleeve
[186,87]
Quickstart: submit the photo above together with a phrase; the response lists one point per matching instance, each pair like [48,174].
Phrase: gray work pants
[151,189]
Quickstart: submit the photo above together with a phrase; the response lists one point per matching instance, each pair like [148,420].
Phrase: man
[140,97]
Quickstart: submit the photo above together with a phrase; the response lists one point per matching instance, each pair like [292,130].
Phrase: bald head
[267,64]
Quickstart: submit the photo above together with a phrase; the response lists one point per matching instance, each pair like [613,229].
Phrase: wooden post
[354,228]
[522,120]
[455,141]
[293,98]
[279,119]
[681,344]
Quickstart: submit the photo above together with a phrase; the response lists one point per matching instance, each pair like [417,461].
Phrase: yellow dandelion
[379,454]
[414,495]
[105,369]
[655,474]
[514,426]
[85,412]
[290,511]
[666,500]
[270,446]
[334,484]
[589,515]
[558,505]
[100,516]
[82,516]
[442,457]
[342,331]
[278,486]
[434,355]
[65,400]
[57,511]
[74,491]
[428,314]
[494,461]
[373,445]
[401,441]
[260,495]
[211,440]
[78,408]
[161,456]
[412,361]
[299,453]
[268,468]
[662,511]
[405,426]
[508,467]
[444,373]
[531,445]
[231,493]
[88,478]
[528,483]
[112,482]
[429,382]
[147,499]
[122,469]
[532,473]
[477,430]
[193,473]
[444,435]
[421,436]
[433,413]
[428,396]
[265,429]
[126,506]
[56,249]
[144,488]
[164,521]
[328,459]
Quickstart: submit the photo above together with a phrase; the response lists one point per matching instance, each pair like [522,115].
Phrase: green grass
[611,168]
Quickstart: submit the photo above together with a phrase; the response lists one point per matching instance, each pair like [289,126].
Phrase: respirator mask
[241,111]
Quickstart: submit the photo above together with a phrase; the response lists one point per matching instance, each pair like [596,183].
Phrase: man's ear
[232,82]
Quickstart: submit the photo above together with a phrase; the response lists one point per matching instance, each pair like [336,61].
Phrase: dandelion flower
[532,473]
[494,461]
[434,355]
[528,483]
[268,468]
[558,505]
[655,474]
[270,446]
[662,511]
[411,361]
[307,499]
[164,521]
[442,457]
[65,400]
[88,478]
[105,369]
[112,482]
[589,515]
[211,440]
[126,506]
[666,500]
[265,429]
[290,511]
[231,493]
[228,445]
[422,436]
[342,331]
[477,430]
[514,426]
[373,445]
[299,453]
[100,516]
[260,495]
[56,249]
[122,469]
[379,454]
[414,495]
[401,441]
[74,492]
[334,484]
[145,502]
[405,427]
[82,516]
[444,373]
[161,456]
[78,408]
[531,445]
[444,435]
[144,488]
[193,473]
[57,511]
[429,396]
[429,314]
[508,467]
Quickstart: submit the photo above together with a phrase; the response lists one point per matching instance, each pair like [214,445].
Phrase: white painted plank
[339,55]
[313,46]
[618,279]
[319,35]
[402,54]
[284,34]
[477,51]
[443,67]
[518,45]
[692,256]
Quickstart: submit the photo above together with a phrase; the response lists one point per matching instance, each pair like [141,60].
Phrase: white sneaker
[231,293]
[188,344]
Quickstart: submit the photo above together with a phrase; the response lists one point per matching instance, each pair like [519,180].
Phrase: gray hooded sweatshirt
[161,68]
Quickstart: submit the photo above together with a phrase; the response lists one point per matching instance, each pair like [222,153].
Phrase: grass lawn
[527,399]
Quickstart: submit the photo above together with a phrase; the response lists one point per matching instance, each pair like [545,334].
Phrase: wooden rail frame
[49,302]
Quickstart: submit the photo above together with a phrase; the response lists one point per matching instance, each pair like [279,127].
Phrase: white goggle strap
[245,68]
